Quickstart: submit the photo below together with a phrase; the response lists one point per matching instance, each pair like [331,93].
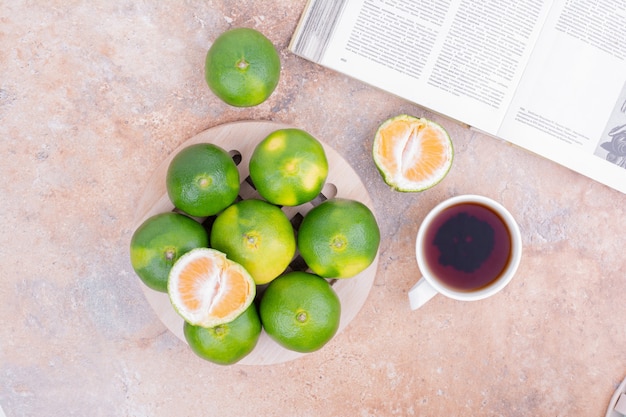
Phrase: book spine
[316,28]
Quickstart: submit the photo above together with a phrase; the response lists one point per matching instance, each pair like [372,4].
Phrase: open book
[546,75]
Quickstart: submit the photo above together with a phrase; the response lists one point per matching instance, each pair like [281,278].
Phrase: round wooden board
[241,138]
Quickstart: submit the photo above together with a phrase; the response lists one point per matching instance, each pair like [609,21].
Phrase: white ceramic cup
[430,284]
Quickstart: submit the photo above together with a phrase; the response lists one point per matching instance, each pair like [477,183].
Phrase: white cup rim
[503,280]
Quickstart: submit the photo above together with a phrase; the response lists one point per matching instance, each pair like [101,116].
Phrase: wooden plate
[240,139]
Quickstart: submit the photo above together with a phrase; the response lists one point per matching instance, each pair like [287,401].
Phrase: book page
[571,103]
[461,58]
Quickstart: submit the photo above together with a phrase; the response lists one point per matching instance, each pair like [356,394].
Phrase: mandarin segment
[198,282]
[235,290]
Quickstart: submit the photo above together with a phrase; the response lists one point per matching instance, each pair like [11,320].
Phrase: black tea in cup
[467,246]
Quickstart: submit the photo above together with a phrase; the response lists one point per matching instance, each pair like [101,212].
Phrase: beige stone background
[94,95]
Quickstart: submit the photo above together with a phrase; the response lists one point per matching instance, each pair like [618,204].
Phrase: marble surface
[94,95]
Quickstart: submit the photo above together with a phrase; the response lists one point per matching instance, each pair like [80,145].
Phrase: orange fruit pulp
[208,289]
[412,154]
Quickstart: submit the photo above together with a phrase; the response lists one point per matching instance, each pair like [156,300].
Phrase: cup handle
[420,293]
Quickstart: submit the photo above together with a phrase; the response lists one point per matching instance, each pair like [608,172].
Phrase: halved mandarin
[208,289]
[411,153]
